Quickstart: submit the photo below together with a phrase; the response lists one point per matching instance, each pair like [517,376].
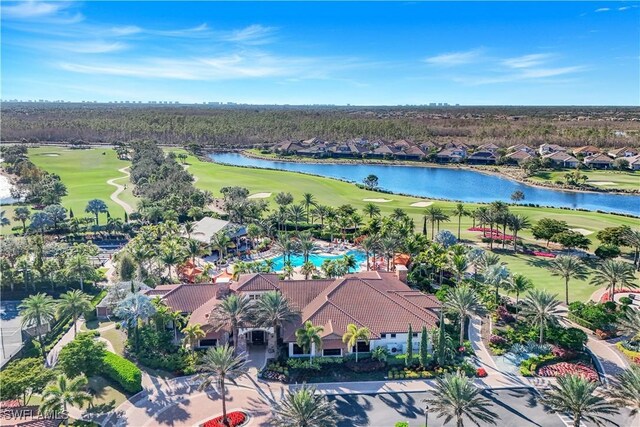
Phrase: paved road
[10,330]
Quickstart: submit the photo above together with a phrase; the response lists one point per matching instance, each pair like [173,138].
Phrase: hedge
[634,356]
[122,371]
[580,321]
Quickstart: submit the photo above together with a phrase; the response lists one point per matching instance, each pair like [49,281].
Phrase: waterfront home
[412,153]
[490,147]
[521,147]
[586,151]
[517,157]
[634,162]
[482,158]
[546,149]
[453,155]
[623,152]
[598,161]
[385,150]
[562,159]
[288,147]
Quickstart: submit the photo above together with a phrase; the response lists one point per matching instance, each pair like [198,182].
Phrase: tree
[613,235]
[423,351]
[519,284]
[612,273]
[371,182]
[354,334]
[296,214]
[126,266]
[221,242]
[496,275]
[435,216]
[283,199]
[371,210]
[171,254]
[22,214]
[541,309]
[607,251]
[455,398]
[571,239]
[308,200]
[517,223]
[40,221]
[517,196]
[57,213]
[629,324]
[37,310]
[83,355]
[459,211]
[458,264]
[462,301]
[568,267]
[626,393]
[576,396]
[233,312]
[4,221]
[219,365]
[134,309]
[308,268]
[64,392]
[274,310]
[304,407]
[74,303]
[192,334]
[309,336]
[95,207]
[24,377]
[546,228]
[369,245]
[408,360]
[78,266]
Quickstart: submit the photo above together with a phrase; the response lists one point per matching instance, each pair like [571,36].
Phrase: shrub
[367,366]
[380,354]
[634,356]
[563,353]
[626,301]
[123,372]
[569,338]
[481,373]
[497,340]
[402,424]
[504,315]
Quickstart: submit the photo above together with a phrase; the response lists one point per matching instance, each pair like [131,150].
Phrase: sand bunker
[582,231]
[51,155]
[259,196]
[421,204]
[601,183]
[377,200]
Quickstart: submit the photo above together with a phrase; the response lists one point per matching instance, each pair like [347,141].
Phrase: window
[415,334]
[208,343]
[332,352]
[393,335]
[297,350]
[363,347]
[383,336]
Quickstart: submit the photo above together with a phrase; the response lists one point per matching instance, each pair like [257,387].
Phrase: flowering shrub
[504,315]
[562,353]
[497,340]
[631,354]
[235,419]
[565,368]
[481,373]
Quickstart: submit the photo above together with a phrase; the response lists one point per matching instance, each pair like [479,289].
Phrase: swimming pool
[297,260]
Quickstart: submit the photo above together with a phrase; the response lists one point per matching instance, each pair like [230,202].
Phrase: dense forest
[242,126]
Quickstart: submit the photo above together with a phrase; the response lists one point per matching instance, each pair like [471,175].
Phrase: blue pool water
[317,260]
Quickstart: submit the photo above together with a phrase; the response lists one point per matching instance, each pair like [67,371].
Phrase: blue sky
[484,53]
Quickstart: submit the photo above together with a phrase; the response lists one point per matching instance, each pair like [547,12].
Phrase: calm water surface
[447,183]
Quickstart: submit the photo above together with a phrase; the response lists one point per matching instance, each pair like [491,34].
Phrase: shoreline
[488,170]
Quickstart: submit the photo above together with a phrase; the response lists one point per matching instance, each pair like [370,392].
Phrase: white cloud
[126,30]
[527,61]
[253,34]
[30,10]
[624,8]
[88,47]
[603,9]
[454,58]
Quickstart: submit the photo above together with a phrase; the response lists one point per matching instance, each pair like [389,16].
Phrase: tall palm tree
[221,242]
[519,284]
[463,302]
[541,309]
[354,334]
[273,310]
[458,263]
[308,268]
[576,396]
[308,200]
[349,261]
[63,392]
[219,365]
[308,336]
[79,267]
[304,407]
[612,273]
[321,212]
[459,211]
[306,245]
[568,267]
[455,398]
[371,210]
[192,333]
[22,214]
[193,249]
[232,313]
[296,214]
[501,212]
[134,309]
[631,238]
[626,393]
[37,310]
[176,318]
[171,254]
[369,245]
[74,303]
[96,206]
[496,275]
[629,324]
[516,223]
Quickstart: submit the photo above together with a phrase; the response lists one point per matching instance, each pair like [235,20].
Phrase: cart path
[119,189]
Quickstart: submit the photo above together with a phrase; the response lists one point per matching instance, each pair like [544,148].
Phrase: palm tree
[193,249]
[288,270]
[74,303]
[219,365]
[96,206]
[455,397]
[541,309]
[632,238]
[134,309]
[171,253]
[568,267]
[308,336]
[354,334]
[463,302]
[37,309]
[459,211]
[63,392]
[304,408]
[626,393]
[221,242]
[308,200]
[519,284]
[273,310]
[192,333]
[232,313]
[371,210]
[495,275]
[516,223]
[176,318]
[22,214]
[321,212]
[308,268]
[369,245]
[349,261]
[78,266]
[458,263]
[629,324]
[501,212]
[296,214]
[4,221]
[576,396]
[613,272]
[306,245]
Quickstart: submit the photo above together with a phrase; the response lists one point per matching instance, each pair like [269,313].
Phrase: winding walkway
[119,189]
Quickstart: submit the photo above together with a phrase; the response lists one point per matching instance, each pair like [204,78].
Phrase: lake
[447,183]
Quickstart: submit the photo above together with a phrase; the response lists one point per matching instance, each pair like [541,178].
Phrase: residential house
[402,144]
[490,147]
[517,157]
[623,152]
[599,161]
[521,147]
[451,155]
[634,163]
[482,158]
[412,153]
[287,147]
[428,146]
[385,150]
[586,151]
[545,149]
[562,159]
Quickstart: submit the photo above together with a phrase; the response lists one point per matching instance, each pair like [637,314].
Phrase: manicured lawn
[622,180]
[104,393]
[94,324]
[116,338]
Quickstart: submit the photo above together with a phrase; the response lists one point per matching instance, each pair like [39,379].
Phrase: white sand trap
[51,155]
[421,204]
[582,231]
[259,196]
[377,200]
[601,183]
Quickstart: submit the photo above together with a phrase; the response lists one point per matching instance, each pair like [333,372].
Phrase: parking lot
[10,330]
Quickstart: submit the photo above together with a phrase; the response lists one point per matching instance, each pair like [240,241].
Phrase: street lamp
[426,415]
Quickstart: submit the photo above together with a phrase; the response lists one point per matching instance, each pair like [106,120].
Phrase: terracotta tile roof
[160,290]
[256,282]
[201,314]
[598,158]
[187,298]
[586,149]
[519,155]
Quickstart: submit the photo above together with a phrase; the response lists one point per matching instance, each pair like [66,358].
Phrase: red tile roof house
[518,157]
[586,151]
[560,158]
[623,152]
[545,149]
[451,155]
[599,161]
[379,301]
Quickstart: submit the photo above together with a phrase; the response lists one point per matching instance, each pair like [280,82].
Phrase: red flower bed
[481,373]
[605,297]
[235,419]
[565,368]
[544,254]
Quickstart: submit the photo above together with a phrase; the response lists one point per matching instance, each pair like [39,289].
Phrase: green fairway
[606,179]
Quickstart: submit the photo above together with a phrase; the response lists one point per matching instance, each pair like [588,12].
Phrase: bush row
[123,372]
